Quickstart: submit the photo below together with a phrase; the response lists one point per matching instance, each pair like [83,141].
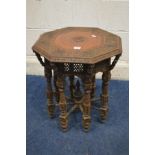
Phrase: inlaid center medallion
[78,40]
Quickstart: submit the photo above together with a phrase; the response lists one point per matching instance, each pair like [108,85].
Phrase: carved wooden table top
[78,45]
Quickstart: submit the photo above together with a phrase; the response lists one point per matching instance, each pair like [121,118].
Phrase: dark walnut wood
[77,52]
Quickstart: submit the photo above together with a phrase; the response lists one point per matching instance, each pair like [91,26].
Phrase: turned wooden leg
[56,88]
[62,103]
[50,104]
[87,82]
[104,96]
[93,87]
[72,87]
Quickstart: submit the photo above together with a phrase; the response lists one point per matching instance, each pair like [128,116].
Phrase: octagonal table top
[78,45]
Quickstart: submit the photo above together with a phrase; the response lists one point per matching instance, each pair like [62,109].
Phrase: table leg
[71,78]
[56,88]
[93,87]
[62,103]
[50,103]
[87,82]
[104,96]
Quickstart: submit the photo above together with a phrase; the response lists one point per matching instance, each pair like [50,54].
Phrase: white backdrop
[47,15]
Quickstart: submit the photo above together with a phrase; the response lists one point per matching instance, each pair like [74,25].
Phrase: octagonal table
[79,52]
